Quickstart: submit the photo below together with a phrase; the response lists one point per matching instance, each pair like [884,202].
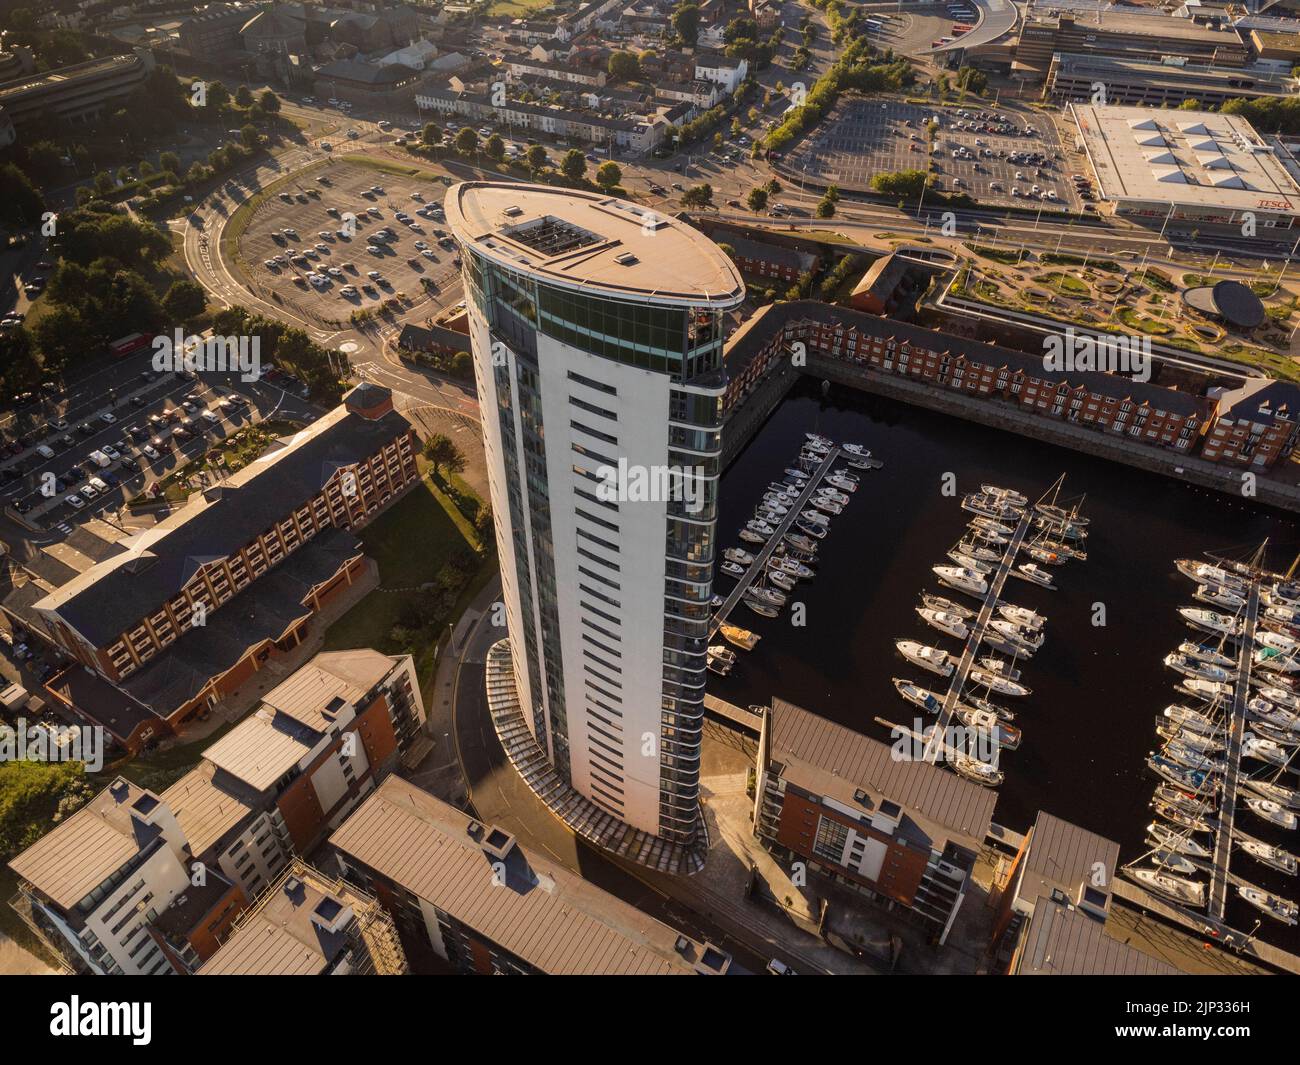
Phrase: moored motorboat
[1028,571]
[971,563]
[996,683]
[1191,779]
[1003,735]
[733,569]
[1194,668]
[1022,616]
[739,637]
[950,624]
[962,579]
[976,771]
[736,554]
[938,602]
[1263,749]
[922,698]
[1205,653]
[930,658]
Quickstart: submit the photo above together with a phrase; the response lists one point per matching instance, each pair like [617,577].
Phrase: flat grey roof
[1063,855]
[636,253]
[76,856]
[1199,158]
[543,913]
[1064,941]
[829,759]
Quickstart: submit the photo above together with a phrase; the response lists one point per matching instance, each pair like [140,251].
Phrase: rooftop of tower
[592,241]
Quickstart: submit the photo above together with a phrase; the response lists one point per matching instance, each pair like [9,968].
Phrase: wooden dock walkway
[759,565]
[1218,899]
[997,581]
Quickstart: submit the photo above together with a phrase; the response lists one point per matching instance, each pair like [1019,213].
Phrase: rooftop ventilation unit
[626,259]
[513,212]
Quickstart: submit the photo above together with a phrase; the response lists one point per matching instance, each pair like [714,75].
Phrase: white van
[45,451]
[100,459]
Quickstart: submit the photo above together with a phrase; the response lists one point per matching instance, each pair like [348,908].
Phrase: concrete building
[1124,34]
[93,886]
[308,924]
[1052,920]
[75,93]
[391,85]
[213,34]
[469,894]
[596,330]
[1074,76]
[1186,166]
[900,831]
[727,72]
[193,606]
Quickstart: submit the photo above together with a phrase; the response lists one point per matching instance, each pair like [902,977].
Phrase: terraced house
[192,607]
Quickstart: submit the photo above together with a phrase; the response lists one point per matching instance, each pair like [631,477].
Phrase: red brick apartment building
[271,788]
[466,894]
[773,262]
[1254,424]
[902,832]
[186,611]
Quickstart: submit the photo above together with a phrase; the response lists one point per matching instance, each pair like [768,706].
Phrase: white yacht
[1281,860]
[1009,494]
[931,658]
[1270,811]
[947,623]
[938,602]
[1205,653]
[1174,840]
[971,563]
[1210,620]
[962,579]
[736,554]
[1186,717]
[1027,571]
[999,684]
[922,698]
[1279,909]
[1192,668]
[1266,750]
[1013,633]
[1022,616]
[1278,793]
[1219,596]
[1190,892]
[976,771]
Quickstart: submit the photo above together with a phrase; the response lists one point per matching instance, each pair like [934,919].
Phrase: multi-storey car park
[596,328]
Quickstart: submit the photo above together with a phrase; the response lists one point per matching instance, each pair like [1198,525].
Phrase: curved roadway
[997,18]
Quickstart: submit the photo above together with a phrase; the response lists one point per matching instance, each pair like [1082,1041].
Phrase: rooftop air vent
[514,212]
[626,259]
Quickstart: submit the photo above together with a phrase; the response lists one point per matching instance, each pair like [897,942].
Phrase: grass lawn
[517,8]
[1064,284]
[411,543]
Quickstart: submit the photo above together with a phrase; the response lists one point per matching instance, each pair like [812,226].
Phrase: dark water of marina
[1090,720]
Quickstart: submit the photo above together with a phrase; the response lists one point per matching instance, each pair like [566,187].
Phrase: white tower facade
[596,327]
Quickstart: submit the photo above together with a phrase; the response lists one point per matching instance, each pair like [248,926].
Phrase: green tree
[608,174]
[495,147]
[574,165]
[103,182]
[243,96]
[218,95]
[698,195]
[686,21]
[170,161]
[20,202]
[535,157]
[185,301]
[270,102]
[431,134]
[249,137]
[756,201]
[825,207]
[466,141]
[624,66]
[442,453]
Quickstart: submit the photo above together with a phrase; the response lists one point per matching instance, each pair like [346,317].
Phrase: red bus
[129,344]
[958,28]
